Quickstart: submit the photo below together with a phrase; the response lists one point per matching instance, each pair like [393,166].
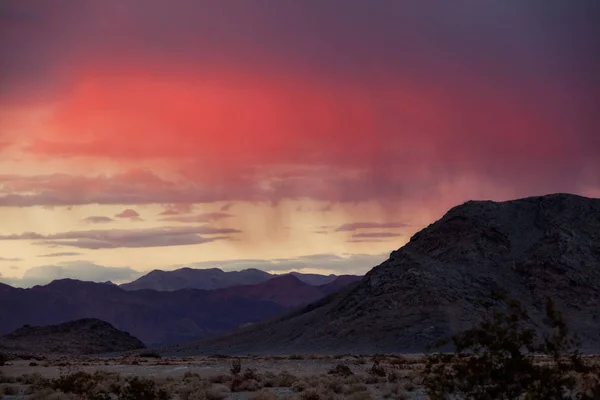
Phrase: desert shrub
[221,378]
[50,394]
[143,389]
[149,354]
[360,396]
[354,388]
[377,369]
[10,390]
[202,390]
[4,358]
[6,379]
[396,392]
[250,373]
[263,394]
[236,367]
[341,370]
[499,359]
[218,392]
[31,379]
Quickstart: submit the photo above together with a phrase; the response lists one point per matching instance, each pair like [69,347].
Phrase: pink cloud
[129,214]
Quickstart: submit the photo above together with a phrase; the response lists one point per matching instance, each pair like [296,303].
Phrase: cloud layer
[133,238]
[82,270]
[259,102]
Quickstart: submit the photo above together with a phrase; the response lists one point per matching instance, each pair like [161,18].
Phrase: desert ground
[292,377]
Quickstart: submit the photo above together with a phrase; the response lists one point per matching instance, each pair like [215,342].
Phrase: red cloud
[215,126]
[128,213]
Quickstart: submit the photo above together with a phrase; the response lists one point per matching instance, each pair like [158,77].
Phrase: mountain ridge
[431,287]
[213,278]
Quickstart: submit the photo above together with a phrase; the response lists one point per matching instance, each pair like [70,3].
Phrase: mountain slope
[84,336]
[431,287]
[285,290]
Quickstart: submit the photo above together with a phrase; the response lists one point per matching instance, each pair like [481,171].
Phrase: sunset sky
[312,135]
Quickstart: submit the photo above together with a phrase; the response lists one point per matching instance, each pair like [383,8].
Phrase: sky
[313,135]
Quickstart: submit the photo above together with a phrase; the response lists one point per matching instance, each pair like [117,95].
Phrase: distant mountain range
[83,336]
[534,248]
[159,317]
[213,278]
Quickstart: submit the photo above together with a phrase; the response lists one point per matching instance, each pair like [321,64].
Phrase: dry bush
[360,396]
[396,392]
[354,388]
[10,390]
[142,389]
[221,378]
[236,367]
[283,379]
[263,394]
[50,394]
[499,358]
[341,370]
[203,392]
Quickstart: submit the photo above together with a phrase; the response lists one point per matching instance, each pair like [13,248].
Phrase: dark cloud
[82,270]
[226,207]
[129,214]
[411,99]
[370,225]
[177,209]
[199,218]
[375,235]
[132,238]
[61,254]
[96,219]
[509,39]
[8,259]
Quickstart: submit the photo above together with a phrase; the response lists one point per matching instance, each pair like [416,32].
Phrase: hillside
[213,278]
[285,290]
[431,287]
[84,336]
[153,316]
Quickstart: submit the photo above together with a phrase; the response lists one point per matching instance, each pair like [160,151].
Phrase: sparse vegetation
[4,358]
[503,357]
[236,367]
[149,354]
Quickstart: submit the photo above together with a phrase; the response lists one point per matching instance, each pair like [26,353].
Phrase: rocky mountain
[157,317]
[84,336]
[533,247]
[213,278]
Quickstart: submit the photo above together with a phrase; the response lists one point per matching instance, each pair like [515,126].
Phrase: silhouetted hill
[84,336]
[213,278]
[432,287]
[156,317]
[190,278]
